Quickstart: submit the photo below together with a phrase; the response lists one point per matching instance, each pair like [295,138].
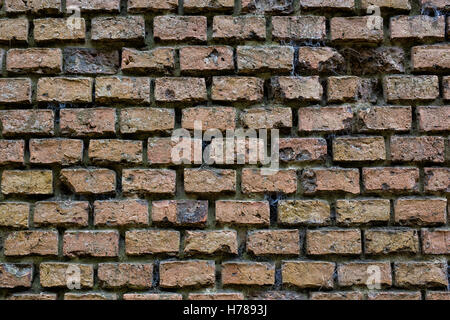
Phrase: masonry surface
[88,103]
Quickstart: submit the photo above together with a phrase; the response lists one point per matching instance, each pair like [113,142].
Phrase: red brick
[436,241]
[206,59]
[151,5]
[437,179]
[14,30]
[356,29]
[15,91]
[90,296]
[435,118]
[317,60]
[390,179]
[421,274]
[144,120]
[420,211]
[129,275]
[121,213]
[330,180]
[91,61]
[387,4]
[394,295]
[375,60]
[254,181]
[417,28]
[359,149]
[358,273]
[273,242]
[209,181]
[353,212]
[143,242]
[239,28]
[12,151]
[56,274]
[95,5]
[122,90]
[178,28]
[148,181]
[118,28]
[351,89]
[180,89]
[308,274]
[59,30]
[435,4]
[276,295]
[14,214]
[28,182]
[87,122]
[34,60]
[266,118]
[326,119]
[303,212]
[446,87]
[158,60]
[407,88]
[65,90]
[31,243]
[302,149]
[56,151]
[152,296]
[15,275]
[61,213]
[208,5]
[159,151]
[296,88]
[243,212]
[391,241]
[343,295]
[431,58]
[91,244]
[438,295]
[275,59]
[35,7]
[32,296]
[89,181]
[211,242]
[221,118]
[216,296]
[299,28]
[248,273]
[180,274]
[180,212]
[384,118]
[327,4]
[237,89]
[340,242]
[111,150]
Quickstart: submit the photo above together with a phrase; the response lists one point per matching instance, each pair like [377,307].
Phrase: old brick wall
[89,189]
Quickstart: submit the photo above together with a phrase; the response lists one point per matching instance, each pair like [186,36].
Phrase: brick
[29,182]
[431,58]
[303,212]
[206,59]
[239,28]
[437,179]
[276,295]
[178,28]
[421,274]
[36,122]
[437,295]
[144,120]
[56,274]
[158,60]
[13,275]
[330,180]
[31,243]
[407,88]
[359,273]
[207,5]
[61,213]
[35,7]
[417,28]
[152,296]
[32,296]
[387,4]
[266,118]
[14,214]
[254,181]
[216,296]
[359,149]
[325,119]
[15,91]
[209,181]
[112,150]
[391,241]
[319,60]
[420,211]
[422,148]
[129,275]
[436,241]
[59,30]
[275,59]
[248,273]
[14,30]
[222,118]
[90,296]
[148,181]
[363,211]
[180,89]
[267,6]
[89,181]
[243,212]
[65,90]
[302,149]
[273,242]
[237,89]
[181,274]
[12,151]
[151,5]
[343,295]
[159,151]
[390,179]
[341,242]
[296,88]
[122,90]
[298,28]
[87,122]
[327,4]
[95,5]
[211,242]
[91,244]
[143,242]
[308,274]
[121,212]
[394,295]
[435,4]
[34,60]
[384,118]
[370,61]
[118,28]
[56,151]
[90,61]
[351,89]
[434,118]
[356,29]
[180,212]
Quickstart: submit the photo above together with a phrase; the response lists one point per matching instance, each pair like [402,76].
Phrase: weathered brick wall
[88,105]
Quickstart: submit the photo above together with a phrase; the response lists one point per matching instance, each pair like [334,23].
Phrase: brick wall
[89,190]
